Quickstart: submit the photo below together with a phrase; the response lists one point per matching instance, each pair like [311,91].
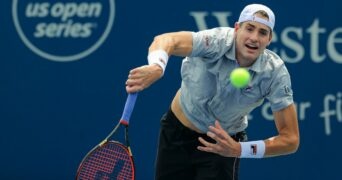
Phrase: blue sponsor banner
[63,66]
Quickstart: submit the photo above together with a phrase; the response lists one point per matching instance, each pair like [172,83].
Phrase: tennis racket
[111,159]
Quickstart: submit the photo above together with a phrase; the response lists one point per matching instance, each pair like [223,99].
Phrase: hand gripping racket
[111,159]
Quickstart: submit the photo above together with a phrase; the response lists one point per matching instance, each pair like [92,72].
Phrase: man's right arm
[163,46]
[176,43]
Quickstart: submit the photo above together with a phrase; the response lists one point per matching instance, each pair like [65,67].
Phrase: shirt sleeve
[212,44]
[280,94]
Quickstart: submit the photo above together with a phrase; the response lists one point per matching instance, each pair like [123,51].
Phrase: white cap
[248,14]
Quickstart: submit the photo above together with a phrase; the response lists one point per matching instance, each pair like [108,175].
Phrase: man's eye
[263,33]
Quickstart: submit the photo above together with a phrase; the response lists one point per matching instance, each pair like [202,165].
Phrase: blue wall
[62,81]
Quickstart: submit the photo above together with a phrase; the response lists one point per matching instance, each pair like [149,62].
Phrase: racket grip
[129,106]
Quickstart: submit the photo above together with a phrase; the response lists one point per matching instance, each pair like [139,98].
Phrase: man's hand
[142,77]
[224,146]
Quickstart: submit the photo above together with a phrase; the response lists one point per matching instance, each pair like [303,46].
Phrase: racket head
[110,160]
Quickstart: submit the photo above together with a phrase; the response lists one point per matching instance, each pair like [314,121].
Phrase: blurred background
[63,66]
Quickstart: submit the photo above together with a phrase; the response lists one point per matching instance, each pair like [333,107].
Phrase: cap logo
[248,14]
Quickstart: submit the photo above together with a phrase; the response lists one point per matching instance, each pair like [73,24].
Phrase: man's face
[251,40]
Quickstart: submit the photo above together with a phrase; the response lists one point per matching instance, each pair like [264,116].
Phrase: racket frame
[124,121]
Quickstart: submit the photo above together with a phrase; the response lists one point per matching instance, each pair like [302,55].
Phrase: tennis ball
[240,77]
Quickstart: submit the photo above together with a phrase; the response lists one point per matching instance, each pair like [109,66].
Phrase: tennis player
[202,136]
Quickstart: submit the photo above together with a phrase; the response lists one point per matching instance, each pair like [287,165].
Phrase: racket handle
[129,106]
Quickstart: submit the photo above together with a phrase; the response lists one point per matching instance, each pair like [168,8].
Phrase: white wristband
[253,149]
[159,57]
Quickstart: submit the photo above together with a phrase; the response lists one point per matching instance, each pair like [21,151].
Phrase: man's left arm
[287,140]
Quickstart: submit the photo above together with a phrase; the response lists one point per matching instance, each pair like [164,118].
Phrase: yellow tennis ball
[240,77]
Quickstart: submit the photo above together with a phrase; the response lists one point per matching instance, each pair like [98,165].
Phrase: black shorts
[178,157]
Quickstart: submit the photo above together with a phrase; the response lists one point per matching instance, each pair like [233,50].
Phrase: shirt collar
[257,65]
[230,54]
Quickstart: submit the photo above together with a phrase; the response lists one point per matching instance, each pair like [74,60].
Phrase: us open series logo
[63,30]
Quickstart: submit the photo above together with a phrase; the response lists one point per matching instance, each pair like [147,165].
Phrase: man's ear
[270,39]
[236,26]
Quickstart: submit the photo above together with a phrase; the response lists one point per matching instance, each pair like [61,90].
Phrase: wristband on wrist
[253,149]
[159,57]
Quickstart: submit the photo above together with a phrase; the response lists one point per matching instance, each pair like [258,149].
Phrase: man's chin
[251,56]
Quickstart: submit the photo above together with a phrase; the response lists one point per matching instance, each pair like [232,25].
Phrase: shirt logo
[248,88]
[287,90]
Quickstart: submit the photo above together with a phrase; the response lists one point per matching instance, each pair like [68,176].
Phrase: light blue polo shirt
[207,94]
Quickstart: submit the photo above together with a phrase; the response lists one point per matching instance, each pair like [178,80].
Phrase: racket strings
[111,161]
